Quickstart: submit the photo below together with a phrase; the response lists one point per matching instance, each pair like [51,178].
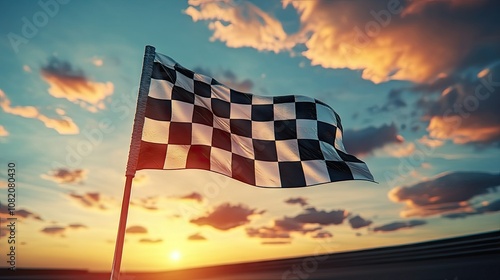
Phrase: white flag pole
[133,156]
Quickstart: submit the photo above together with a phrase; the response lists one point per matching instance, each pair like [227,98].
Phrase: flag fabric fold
[194,122]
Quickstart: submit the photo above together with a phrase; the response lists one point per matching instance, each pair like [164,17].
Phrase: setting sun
[240,139]
[175,255]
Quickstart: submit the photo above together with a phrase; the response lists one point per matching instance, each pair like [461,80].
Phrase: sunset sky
[416,83]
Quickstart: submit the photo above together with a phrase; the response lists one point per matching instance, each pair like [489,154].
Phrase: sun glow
[175,255]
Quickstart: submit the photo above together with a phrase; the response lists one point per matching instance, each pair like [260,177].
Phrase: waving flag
[185,120]
[191,121]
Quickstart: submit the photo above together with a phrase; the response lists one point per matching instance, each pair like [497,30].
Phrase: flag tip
[150,48]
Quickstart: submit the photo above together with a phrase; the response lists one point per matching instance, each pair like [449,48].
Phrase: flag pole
[133,156]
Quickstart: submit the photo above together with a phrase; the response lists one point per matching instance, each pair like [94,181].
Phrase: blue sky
[415,83]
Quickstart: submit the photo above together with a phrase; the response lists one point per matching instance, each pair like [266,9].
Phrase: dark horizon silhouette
[472,257]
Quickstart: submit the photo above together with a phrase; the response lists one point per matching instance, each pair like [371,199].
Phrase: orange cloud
[20,213]
[309,222]
[60,112]
[398,150]
[472,130]
[93,200]
[55,231]
[22,111]
[77,226]
[196,237]
[192,196]
[485,208]
[426,165]
[282,229]
[64,125]
[242,25]
[98,62]
[359,222]
[150,241]
[3,131]
[417,6]
[399,225]
[431,142]
[60,231]
[444,193]
[66,176]
[267,232]
[226,216]
[302,201]
[150,203]
[65,82]
[322,234]
[136,230]
[322,217]
[468,111]
[371,36]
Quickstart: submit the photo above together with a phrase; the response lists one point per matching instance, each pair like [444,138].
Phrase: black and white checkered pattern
[193,121]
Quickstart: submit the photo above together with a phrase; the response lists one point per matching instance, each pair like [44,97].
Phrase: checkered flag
[191,121]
